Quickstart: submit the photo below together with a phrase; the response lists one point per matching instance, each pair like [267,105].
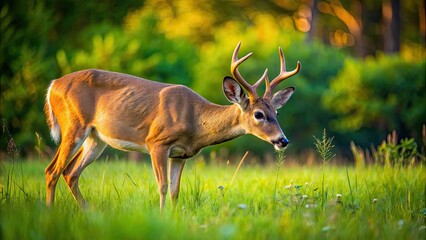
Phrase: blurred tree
[391,25]
[24,63]
[139,49]
[367,26]
[378,96]
[31,34]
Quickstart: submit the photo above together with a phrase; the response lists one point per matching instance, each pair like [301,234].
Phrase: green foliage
[133,50]
[376,96]
[25,68]
[390,153]
[404,153]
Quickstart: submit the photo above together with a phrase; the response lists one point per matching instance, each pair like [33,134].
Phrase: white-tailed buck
[90,109]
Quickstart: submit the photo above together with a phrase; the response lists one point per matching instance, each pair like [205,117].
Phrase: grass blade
[239,165]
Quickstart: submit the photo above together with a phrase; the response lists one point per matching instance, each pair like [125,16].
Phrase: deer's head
[259,114]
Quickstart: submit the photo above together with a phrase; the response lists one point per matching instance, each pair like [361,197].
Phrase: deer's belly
[122,144]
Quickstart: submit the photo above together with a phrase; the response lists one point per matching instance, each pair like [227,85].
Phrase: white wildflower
[242,206]
[400,223]
[326,228]
[289,186]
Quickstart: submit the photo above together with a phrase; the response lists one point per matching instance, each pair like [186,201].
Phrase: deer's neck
[220,124]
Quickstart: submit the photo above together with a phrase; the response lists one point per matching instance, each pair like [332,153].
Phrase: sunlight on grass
[270,202]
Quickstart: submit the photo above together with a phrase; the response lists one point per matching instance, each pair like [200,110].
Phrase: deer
[90,109]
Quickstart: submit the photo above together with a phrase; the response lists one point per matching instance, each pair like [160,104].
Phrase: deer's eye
[259,115]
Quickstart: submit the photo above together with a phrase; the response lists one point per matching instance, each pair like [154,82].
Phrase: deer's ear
[234,93]
[281,97]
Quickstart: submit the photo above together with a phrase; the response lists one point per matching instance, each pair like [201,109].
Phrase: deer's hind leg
[70,144]
[88,153]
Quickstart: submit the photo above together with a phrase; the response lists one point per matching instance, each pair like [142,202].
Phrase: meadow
[277,201]
[362,76]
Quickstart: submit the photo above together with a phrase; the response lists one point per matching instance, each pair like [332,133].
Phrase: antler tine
[234,70]
[283,73]
[264,77]
[267,83]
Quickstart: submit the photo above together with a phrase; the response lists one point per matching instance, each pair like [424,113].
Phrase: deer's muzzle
[280,143]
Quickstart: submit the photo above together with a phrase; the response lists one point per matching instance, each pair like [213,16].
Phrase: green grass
[259,204]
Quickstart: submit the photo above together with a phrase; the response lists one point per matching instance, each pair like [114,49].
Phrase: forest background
[363,62]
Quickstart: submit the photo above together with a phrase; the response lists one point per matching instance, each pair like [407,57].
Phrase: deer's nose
[280,143]
[283,141]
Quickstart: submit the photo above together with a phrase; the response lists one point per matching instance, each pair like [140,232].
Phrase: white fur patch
[55,131]
[122,144]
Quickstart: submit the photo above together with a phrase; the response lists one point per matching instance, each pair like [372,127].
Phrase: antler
[281,77]
[251,89]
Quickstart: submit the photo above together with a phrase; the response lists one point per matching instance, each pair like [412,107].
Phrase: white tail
[96,108]
[55,132]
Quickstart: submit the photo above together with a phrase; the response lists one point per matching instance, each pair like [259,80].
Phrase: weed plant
[324,147]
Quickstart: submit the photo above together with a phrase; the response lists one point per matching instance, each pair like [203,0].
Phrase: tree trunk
[358,6]
[422,21]
[313,20]
[391,26]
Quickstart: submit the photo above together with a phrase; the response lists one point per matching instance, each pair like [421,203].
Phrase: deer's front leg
[176,167]
[159,163]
